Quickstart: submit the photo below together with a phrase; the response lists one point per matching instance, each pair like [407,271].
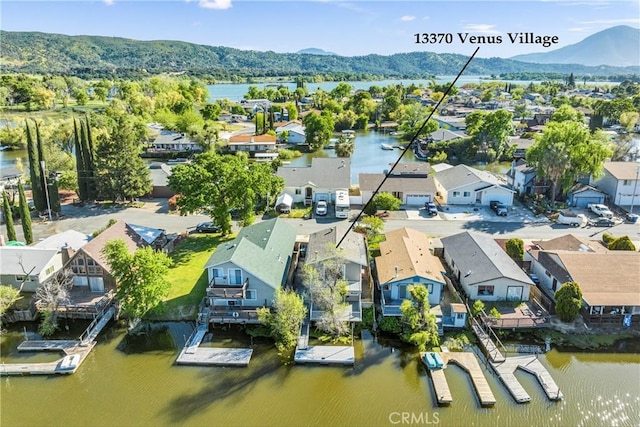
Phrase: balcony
[220,288]
[352,315]
[219,314]
[390,307]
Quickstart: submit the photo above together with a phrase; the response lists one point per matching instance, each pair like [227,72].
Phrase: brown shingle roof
[569,242]
[408,250]
[246,138]
[119,230]
[622,170]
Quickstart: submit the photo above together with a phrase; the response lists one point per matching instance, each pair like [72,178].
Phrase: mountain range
[97,56]
[618,46]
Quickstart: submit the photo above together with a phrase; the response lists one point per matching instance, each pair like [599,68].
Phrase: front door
[96,284]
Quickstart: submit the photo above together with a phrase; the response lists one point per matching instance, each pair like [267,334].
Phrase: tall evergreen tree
[8,217]
[25,215]
[82,186]
[90,159]
[37,190]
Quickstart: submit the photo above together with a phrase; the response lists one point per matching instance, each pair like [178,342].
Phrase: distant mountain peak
[315,51]
[617,46]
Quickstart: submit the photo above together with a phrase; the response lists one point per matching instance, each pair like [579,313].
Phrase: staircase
[97,325]
[303,338]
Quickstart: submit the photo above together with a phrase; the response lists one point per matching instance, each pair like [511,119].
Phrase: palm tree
[344,147]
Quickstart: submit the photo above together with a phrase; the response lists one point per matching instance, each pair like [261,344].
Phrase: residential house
[581,195]
[484,270]
[318,181]
[258,146]
[69,239]
[464,185]
[26,267]
[159,174]
[351,255]
[522,145]
[609,281]
[442,135]
[409,182]
[295,130]
[405,259]
[173,142]
[522,178]
[621,182]
[243,274]
[538,122]
[255,105]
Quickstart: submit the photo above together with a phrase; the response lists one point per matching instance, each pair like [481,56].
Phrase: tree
[217,184]
[327,289]
[121,173]
[411,117]
[386,202]
[318,130]
[477,308]
[8,217]
[520,110]
[565,150]
[345,147]
[420,327]
[622,243]
[25,215]
[373,224]
[628,120]
[568,301]
[491,130]
[50,296]
[141,277]
[8,296]
[515,248]
[291,110]
[567,113]
[284,322]
[35,173]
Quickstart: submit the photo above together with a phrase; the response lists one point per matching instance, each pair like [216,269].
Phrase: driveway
[517,214]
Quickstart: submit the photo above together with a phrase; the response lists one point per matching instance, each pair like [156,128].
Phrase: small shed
[283,203]
[580,195]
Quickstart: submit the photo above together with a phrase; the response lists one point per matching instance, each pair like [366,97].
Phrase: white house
[27,266]
[522,177]
[484,270]
[409,182]
[295,131]
[621,181]
[319,181]
[464,185]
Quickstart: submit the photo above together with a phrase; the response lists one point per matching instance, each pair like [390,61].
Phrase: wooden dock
[326,355]
[532,365]
[209,356]
[48,345]
[487,343]
[468,362]
[66,365]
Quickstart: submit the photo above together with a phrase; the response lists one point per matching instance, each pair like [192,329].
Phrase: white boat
[386,147]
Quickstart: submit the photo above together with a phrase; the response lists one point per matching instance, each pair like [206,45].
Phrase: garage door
[418,199]
[582,202]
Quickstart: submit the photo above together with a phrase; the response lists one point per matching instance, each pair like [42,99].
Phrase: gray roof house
[243,274]
[484,270]
[318,181]
[409,182]
[352,254]
[621,181]
[27,266]
[464,185]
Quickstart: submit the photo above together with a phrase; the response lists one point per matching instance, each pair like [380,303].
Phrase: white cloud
[481,28]
[612,21]
[407,18]
[108,2]
[578,29]
[215,4]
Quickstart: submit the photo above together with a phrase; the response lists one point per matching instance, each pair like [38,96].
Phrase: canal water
[134,382]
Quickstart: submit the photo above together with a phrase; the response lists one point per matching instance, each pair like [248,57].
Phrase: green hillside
[92,56]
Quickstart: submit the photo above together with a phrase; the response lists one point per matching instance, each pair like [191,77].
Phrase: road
[155,214]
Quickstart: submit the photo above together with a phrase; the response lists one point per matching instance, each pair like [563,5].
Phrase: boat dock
[65,346]
[532,365]
[468,362]
[487,343]
[326,355]
[194,355]
[70,363]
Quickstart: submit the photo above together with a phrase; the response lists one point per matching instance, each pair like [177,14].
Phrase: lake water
[143,387]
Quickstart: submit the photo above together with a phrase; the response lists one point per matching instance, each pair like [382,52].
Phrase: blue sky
[346,28]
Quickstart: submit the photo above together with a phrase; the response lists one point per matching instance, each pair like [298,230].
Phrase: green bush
[391,325]
[607,238]
[367,318]
[477,308]
[495,313]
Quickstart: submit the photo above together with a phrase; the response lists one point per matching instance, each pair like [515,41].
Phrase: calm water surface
[143,387]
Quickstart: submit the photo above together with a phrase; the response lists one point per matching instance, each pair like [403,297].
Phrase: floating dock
[194,355]
[326,355]
[66,365]
[468,362]
[487,343]
[532,365]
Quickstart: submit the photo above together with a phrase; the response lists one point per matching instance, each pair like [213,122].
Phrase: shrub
[477,308]
[607,238]
[515,248]
[568,301]
[495,313]
[391,324]
[623,243]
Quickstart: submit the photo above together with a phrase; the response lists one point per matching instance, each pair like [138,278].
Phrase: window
[546,272]
[235,276]
[485,290]
[298,191]
[19,278]
[467,194]
[456,194]
[217,272]
[251,294]
[459,315]
[626,182]
[49,270]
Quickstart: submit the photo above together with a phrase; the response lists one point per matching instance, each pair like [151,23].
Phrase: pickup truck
[499,208]
[600,210]
[572,219]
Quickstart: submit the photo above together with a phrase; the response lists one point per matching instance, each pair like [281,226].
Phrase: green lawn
[187,277]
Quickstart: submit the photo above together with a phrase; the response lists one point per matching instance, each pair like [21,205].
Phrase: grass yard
[187,277]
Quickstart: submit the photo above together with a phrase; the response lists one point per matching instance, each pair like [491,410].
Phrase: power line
[407,147]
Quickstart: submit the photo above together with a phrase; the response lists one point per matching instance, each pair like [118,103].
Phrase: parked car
[321,208]
[431,208]
[600,210]
[207,227]
[602,222]
[499,208]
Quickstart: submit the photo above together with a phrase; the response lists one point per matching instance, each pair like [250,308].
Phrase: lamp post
[46,189]
[635,189]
